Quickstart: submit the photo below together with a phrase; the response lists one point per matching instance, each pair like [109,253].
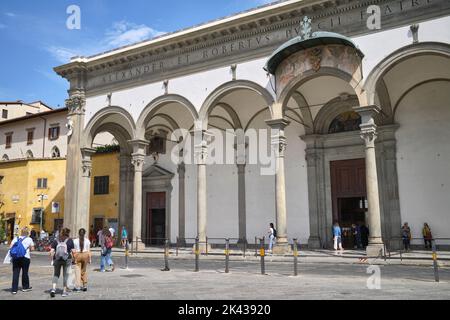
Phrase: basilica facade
[301,113]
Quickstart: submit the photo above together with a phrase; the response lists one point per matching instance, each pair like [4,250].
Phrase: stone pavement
[335,279]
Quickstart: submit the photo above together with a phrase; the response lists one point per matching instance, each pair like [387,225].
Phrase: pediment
[155,171]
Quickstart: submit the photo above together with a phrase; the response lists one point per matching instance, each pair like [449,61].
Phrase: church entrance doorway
[348,189]
[156,218]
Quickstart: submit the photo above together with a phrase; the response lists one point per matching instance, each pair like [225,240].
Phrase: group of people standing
[359,235]
[65,252]
[426,234]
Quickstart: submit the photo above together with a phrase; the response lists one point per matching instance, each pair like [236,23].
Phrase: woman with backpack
[82,257]
[20,256]
[106,244]
[61,254]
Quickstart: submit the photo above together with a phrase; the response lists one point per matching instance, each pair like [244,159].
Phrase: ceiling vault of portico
[403,96]
[106,120]
[151,110]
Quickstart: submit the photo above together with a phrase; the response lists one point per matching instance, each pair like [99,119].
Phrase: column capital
[138,145]
[279,124]
[86,162]
[181,170]
[368,113]
[76,102]
[201,140]
[138,160]
[368,126]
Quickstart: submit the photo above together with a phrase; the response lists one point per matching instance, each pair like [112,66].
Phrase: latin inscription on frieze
[349,22]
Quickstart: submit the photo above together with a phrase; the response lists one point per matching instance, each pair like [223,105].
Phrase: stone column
[125,193]
[369,134]
[241,204]
[240,147]
[201,149]
[138,159]
[82,219]
[73,195]
[181,203]
[279,146]
[314,160]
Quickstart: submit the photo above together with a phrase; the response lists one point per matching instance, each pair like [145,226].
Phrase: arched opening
[317,78]
[108,134]
[169,173]
[55,153]
[5,157]
[29,155]
[235,115]
[417,89]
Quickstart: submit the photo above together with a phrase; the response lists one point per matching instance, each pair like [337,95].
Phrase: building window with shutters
[8,140]
[101,185]
[53,133]
[30,136]
[42,183]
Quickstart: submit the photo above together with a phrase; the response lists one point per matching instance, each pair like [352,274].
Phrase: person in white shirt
[272,236]
[111,229]
[82,256]
[22,263]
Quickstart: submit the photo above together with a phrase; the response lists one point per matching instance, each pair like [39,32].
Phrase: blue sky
[34,37]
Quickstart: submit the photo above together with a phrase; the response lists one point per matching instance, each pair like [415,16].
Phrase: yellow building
[104,204]
[26,187]
[25,183]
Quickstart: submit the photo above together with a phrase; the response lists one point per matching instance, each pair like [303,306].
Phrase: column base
[282,248]
[242,241]
[314,243]
[139,245]
[375,250]
[202,248]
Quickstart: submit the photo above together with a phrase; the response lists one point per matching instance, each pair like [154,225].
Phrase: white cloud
[121,34]
[10,14]
[62,54]
[125,33]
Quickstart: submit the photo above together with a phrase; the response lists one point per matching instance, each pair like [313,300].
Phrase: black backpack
[274,232]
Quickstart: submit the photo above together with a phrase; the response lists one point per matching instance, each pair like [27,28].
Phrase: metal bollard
[262,254]
[166,256]
[245,246]
[295,257]
[227,255]
[177,246]
[435,262]
[197,253]
[256,246]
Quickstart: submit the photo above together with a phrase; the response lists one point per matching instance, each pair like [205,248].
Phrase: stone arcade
[352,112]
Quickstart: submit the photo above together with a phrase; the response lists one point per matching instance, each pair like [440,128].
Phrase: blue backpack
[18,250]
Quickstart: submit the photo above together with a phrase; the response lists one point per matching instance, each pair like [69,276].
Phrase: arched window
[56,153]
[347,121]
[29,154]
[5,157]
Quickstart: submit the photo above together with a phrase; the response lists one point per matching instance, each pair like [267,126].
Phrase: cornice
[256,23]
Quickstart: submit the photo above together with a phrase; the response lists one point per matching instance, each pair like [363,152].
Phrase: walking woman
[61,254]
[20,255]
[106,244]
[82,257]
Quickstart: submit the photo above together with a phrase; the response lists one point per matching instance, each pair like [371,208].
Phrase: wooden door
[348,180]
[156,218]
[348,191]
